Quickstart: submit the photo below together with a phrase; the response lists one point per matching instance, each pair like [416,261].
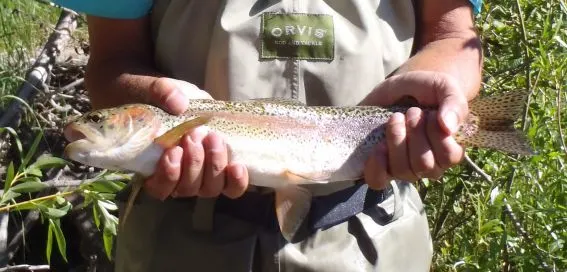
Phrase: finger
[398,86]
[422,160]
[192,167]
[236,181]
[397,148]
[446,150]
[376,168]
[162,183]
[216,159]
[173,95]
[453,107]
[164,93]
[190,90]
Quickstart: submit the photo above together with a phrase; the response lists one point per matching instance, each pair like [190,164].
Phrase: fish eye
[95,117]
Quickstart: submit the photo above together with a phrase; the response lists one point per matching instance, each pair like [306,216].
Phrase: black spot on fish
[95,117]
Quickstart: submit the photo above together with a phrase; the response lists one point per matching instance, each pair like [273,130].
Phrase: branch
[4,218]
[477,169]
[41,69]
[508,211]
[29,222]
[25,267]
[559,101]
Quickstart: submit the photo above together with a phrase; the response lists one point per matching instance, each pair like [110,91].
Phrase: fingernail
[174,157]
[176,101]
[382,148]
[451,121]
[216,143]
[238,172]
[198,134]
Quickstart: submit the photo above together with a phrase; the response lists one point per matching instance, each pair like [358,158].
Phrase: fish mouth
[81,140]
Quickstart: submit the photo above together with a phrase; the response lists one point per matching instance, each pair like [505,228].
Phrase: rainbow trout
[283,143]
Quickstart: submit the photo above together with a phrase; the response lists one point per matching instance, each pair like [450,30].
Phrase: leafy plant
[516,220]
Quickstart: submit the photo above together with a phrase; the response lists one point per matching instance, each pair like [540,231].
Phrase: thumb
[173,95]
[453,107]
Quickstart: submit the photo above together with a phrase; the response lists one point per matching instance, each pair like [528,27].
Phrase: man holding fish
[211,181]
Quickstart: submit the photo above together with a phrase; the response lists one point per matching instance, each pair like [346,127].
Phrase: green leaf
[55,213]
[48,161]
[106,186]
[31,151]
[26,206]
[16,138]
[108,240]
[60,200]
[108,205]
[96,216]
[110,226]
[9,195]
[49,245]
[29,179]
[60,238]
[490,227]
[67,207]
[9,177]
[29,187]
[33,171]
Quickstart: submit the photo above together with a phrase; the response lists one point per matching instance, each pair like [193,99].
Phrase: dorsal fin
[279,100]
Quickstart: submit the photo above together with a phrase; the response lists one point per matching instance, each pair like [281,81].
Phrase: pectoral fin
[137,184]
[292,207]
[172,137]
[302,178]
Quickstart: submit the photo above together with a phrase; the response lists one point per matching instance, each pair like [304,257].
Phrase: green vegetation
[514,219]
[24,25]
[524,47]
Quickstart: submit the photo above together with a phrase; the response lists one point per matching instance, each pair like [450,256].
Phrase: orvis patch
[297,36]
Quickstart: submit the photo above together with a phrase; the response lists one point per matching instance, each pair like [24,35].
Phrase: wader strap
[326,211]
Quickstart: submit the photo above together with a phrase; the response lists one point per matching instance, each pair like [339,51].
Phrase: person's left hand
[418,144]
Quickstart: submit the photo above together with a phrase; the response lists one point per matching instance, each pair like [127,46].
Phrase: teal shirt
[117,9]
[132,9]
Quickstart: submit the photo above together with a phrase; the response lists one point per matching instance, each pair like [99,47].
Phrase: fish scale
[283,143]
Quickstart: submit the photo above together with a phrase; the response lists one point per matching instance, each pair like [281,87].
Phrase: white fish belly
[268,160]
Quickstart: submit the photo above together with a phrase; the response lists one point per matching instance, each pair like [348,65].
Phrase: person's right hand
[200,165]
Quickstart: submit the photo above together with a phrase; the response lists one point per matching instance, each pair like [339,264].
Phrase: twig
[525,234]
[4,218]
[561,137]
[525,47]
[29,222]
[477,169]
[58,107]
[25,267]
[41,69]
[445,211]
[7,208]
[72,85]
[508,210]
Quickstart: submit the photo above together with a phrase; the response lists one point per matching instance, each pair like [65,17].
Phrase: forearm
[446,41]
[113,82]
[458,57]
[121,67]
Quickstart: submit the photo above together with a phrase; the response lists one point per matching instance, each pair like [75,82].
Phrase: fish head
[110,138]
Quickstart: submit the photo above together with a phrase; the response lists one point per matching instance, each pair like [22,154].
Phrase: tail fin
[491,123]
